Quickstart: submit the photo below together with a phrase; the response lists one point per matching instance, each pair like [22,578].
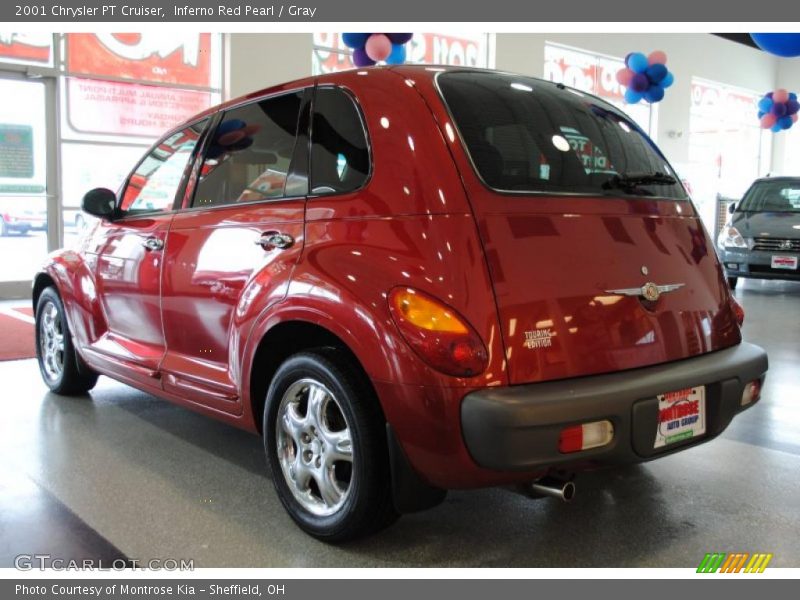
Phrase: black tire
[74,377]
[367,503]
[732,281]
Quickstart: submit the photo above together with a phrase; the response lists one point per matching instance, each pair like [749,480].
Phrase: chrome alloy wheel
[315,448]
[51,342]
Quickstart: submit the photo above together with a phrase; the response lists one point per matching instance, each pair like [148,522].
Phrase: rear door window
[340,160]
[527,135]
[249,156]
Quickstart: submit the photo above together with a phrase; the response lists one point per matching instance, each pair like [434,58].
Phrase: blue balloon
[655,93]
[656,72]
[632,96]
[637,62]
[398,55]
[780,44]
[776,128]
[668,80]
[228,126]
[400,38]
[778,109]
[761,113]
[785,122]
[765,104]
[355,40]
[792,96]
[792,107]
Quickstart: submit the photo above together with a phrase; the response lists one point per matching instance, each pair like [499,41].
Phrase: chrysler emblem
[649,291]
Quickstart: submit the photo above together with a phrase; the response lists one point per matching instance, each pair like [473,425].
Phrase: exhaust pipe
[552,487]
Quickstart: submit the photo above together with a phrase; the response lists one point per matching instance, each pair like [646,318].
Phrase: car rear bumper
[755,264]
[517,428]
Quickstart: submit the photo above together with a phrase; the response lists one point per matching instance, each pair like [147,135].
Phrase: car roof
[429,71]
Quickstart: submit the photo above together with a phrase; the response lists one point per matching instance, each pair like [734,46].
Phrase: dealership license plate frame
[679,402]
[789,262]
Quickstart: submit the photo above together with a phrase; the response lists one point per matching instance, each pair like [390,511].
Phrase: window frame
[367,138]
[120,215]
[188,197]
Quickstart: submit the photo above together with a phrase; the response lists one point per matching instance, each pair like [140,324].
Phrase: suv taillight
[437,333]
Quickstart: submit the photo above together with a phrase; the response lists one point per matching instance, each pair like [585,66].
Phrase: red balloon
[624,77]
[657,57]
[378,47]
[768,121]
[780,96]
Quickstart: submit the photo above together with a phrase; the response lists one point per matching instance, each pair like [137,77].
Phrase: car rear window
[528,135]
[772,196]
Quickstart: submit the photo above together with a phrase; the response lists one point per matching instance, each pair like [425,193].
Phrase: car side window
[249,157]
[339,149]
[156,180]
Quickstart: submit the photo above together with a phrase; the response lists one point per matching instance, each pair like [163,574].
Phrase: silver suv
[762,238]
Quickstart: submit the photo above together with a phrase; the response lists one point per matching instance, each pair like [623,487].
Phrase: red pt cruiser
[408,280]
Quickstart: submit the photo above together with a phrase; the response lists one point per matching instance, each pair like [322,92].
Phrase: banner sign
[28,48]
[178,58]
[583,71]
[108,107]
[715,101]
[330,53]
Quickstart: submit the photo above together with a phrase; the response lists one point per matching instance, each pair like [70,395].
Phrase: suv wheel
[58,360]
[325,440]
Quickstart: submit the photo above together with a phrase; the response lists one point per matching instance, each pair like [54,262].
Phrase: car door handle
[275,239]
[153,243]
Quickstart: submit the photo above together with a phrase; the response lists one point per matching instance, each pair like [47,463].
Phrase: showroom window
[727,147]
[597,74]
[119,93]
[250,154]
[329,53]
[339,151]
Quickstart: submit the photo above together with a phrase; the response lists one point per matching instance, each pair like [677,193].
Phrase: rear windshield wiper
[631,180]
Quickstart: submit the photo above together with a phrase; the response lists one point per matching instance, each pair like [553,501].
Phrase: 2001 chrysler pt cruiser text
[408,280]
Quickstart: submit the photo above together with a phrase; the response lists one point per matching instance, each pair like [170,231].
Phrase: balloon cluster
[370,48]
[779,44]
[778,110]
[646,77]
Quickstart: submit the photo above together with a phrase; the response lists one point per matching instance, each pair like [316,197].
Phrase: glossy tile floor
[122,474]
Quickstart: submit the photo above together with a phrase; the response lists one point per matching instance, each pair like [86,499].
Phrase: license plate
[681,416]
[784,262]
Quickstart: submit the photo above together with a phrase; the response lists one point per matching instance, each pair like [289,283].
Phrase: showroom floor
[125,475]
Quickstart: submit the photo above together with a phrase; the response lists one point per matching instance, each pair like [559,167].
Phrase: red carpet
[16,334]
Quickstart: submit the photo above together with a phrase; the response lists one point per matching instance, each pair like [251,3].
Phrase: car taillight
[752,392]
[439,335]
[738,311]
[585,436]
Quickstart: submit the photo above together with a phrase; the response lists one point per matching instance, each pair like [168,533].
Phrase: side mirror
[99,202]
[732,207]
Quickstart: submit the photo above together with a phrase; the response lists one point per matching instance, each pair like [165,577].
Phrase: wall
[786,160]
[259,60]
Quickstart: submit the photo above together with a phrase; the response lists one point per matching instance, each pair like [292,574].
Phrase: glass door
[24,139]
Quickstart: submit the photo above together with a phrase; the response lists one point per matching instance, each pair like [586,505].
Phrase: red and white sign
[584,71]
[681,415]
[180,59]
[331,55]
[32,48]
[134,109]
[718,101]
[784,262]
